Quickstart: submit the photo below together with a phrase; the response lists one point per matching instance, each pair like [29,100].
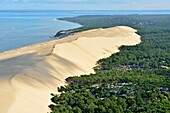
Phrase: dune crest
[29,75]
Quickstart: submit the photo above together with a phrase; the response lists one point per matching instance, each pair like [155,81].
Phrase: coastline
[18,37]
[44,43]
[37,70]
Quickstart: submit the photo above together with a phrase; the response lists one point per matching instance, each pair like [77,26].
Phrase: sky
[85,4]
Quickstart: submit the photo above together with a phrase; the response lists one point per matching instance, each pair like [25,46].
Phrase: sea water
[23,28]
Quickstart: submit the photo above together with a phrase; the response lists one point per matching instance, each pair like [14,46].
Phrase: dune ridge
[29,75]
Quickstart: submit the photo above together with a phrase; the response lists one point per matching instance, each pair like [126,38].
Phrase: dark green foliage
[135,80]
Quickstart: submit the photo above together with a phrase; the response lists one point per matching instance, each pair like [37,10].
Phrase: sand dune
[29,75]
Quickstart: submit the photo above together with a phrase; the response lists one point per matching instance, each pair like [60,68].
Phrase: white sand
[29,75]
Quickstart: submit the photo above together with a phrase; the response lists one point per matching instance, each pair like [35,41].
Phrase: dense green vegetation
[137,79]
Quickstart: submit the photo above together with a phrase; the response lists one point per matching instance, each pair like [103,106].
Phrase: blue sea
[23,28]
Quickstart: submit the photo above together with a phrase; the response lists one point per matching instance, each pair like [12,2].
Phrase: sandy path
[29,75]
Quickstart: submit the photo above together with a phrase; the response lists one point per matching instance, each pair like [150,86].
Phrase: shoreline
[74,26]
[38,70]
[40,44]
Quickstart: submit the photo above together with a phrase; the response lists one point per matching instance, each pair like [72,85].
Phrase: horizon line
[83,10]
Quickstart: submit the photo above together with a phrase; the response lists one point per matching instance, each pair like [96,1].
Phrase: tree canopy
[137,79]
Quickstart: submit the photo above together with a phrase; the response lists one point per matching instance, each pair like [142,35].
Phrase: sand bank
[29,75]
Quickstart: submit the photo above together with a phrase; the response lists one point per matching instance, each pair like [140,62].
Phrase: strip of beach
[30,74]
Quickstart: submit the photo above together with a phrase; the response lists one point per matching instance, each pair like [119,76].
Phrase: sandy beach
[30,74]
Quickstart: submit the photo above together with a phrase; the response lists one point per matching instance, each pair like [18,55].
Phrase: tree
[77,110]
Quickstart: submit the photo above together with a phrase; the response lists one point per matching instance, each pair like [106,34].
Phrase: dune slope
[29,75]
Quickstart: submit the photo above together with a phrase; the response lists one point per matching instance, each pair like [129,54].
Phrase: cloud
[13,1]
[86,4]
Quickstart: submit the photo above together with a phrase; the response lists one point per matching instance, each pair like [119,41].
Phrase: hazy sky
[86,4]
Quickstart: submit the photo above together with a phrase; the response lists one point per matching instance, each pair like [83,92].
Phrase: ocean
[23,28]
